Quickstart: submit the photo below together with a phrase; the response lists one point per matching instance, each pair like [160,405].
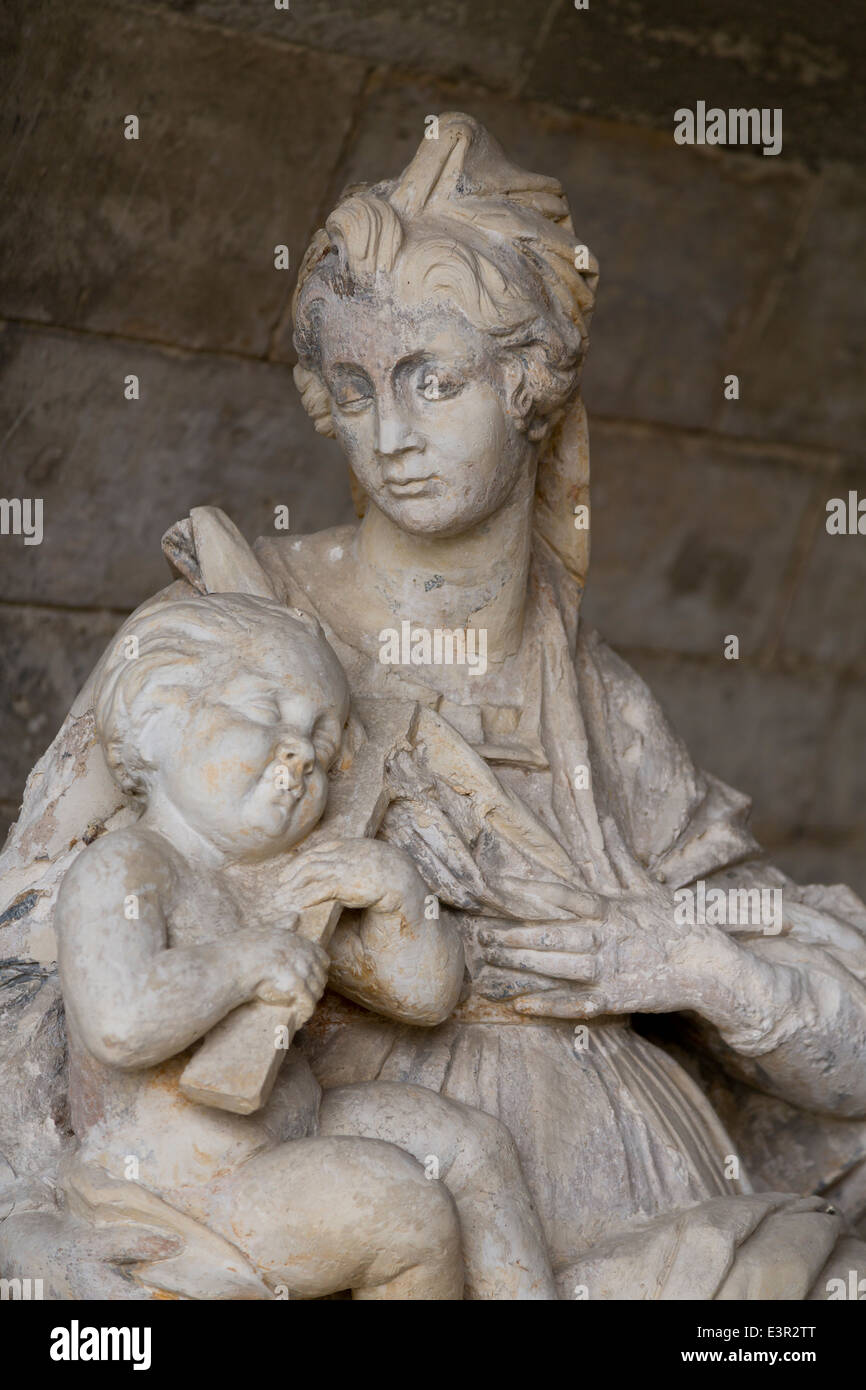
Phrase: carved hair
[464,227]
[158,656]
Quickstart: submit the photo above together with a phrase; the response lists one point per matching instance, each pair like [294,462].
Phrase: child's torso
[137,1124]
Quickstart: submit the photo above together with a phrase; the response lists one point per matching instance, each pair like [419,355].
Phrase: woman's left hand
[630,957]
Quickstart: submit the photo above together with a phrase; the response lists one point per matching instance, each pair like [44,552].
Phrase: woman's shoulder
[319,566]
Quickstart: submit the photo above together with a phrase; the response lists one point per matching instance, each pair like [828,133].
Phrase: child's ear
[151,734]
[146,743]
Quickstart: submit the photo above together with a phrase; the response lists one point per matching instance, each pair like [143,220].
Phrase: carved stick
[236,1065]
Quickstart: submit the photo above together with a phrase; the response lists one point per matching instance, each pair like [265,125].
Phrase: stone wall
[155,257]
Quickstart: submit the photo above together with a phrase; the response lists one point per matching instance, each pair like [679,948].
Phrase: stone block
[47,656]
[691,540]
[484,39]
[115,473]
[171,236]
[840,801]
[762,732]
[826,622]
[637,61]
[802,367]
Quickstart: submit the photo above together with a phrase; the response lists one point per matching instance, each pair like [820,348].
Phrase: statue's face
[246,762]
[419,406]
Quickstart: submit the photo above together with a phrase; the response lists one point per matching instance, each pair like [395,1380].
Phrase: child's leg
[476,1157]
[321,1215]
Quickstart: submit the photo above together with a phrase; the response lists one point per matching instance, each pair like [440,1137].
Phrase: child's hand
[356,873]
[260,897]
[287,969]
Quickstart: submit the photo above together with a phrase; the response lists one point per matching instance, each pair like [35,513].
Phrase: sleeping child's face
[245,762]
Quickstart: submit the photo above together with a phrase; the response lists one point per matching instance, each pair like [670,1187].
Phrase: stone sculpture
[441,322]
[222,715]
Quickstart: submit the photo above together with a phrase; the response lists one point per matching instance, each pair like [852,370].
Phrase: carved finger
[559,1003]
[314,893]
[328,852]
[579,901]
[315,978]
[304,1007]
[309,970]
[314,876]
[300,872]
[318,954]
[568,937]
[559,964]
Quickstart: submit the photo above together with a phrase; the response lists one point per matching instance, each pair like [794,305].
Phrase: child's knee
[488,1141]
[419,1192]
[419,1211]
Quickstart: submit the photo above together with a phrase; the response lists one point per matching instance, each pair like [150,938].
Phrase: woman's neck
[475,580]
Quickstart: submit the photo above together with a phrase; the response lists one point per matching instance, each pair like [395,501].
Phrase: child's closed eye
[262,711]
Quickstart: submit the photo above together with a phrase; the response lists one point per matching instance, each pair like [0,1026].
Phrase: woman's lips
[407,487]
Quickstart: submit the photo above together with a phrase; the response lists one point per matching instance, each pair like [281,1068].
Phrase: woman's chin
[427,516]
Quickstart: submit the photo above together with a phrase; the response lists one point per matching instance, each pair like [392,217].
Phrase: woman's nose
[394,433]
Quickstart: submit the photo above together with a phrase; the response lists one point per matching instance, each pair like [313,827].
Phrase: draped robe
[627,1161]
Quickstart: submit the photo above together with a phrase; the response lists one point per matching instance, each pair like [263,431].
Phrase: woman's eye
[438,386]
[351,395]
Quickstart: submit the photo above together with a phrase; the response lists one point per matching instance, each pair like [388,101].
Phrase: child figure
[221,716]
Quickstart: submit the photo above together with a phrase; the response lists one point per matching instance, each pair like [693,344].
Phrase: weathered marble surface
[441,324]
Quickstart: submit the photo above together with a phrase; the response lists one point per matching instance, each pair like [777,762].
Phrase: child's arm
[398,956]
[136,1001]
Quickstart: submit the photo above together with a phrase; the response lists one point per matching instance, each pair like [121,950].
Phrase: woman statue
[441,323]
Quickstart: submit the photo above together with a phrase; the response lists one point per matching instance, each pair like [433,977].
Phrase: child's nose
[298,754]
